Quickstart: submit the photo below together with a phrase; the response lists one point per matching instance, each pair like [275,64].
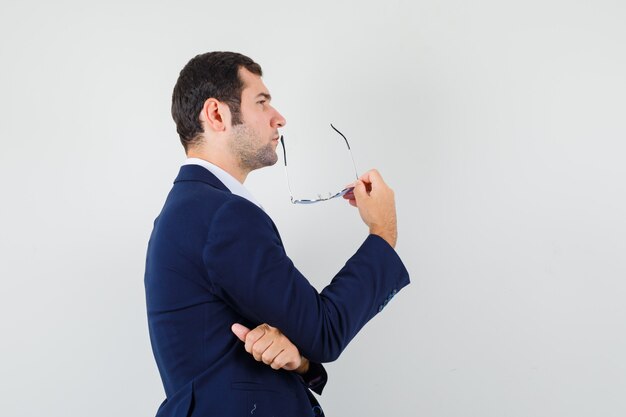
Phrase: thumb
[360,191]
[240,331]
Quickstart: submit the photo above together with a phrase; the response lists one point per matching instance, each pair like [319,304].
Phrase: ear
[215,115]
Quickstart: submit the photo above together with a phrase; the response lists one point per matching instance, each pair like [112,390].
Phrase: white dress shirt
[228,180]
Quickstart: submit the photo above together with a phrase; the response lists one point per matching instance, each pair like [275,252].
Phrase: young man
[216,265]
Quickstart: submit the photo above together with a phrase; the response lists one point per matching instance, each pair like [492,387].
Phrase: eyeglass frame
[320,198]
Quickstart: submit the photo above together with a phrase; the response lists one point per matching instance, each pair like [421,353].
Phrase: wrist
[304,366]
[388,236]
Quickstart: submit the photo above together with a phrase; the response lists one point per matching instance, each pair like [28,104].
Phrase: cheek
[251,116]
[260,120]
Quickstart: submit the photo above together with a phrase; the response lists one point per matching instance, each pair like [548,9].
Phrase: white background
[499,124]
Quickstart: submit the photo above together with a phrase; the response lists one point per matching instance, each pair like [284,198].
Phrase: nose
[278,120]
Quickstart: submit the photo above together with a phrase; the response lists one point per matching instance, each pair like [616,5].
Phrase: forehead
[252,83]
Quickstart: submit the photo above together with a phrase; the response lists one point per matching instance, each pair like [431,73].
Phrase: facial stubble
[247,145]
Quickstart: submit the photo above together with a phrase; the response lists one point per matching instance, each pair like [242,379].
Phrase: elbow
[330,339]
[323,355]
[325,352]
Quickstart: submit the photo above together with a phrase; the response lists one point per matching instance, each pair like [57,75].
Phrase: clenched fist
[268,345]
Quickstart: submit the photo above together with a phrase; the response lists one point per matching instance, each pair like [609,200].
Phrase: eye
[262,101]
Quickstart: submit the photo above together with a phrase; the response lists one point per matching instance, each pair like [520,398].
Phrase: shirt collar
[228,180]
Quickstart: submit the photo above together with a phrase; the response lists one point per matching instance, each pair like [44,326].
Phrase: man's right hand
[376,204]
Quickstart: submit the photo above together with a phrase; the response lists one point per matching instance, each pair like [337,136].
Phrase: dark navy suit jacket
[215,259]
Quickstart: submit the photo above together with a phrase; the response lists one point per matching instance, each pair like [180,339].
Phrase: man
[216,261]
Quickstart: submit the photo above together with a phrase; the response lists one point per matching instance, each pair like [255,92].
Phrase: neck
[225,162]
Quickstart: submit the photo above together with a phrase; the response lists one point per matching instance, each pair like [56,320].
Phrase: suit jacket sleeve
[248,268]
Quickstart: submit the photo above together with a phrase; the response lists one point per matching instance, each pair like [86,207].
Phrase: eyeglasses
[320,197]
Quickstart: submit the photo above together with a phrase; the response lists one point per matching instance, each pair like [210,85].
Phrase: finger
[276,365]
[264,342]
[273,349]
[253,336]
[279,361]
[278,345]
[261,345]
[271,352]
[288,359]
[375,178]
[365,178]
[372,177]
[240,331]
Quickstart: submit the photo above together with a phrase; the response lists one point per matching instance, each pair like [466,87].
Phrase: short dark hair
[212,74]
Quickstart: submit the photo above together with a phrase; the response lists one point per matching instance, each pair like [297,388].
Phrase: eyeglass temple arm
[356,174]
[282,142]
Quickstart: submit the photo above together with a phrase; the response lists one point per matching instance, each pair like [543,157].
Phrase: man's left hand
[267,344]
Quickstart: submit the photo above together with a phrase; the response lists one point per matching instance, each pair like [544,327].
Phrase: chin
[273,161]
[267,162]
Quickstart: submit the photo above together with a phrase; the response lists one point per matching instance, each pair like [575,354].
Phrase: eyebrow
[264,95]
